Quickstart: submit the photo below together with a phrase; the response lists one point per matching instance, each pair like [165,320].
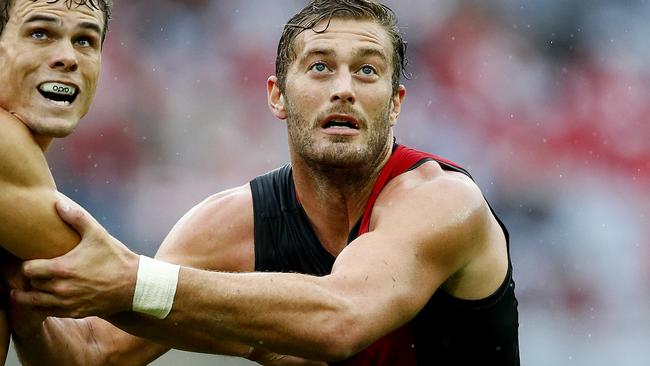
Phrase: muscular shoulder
[443,212]
[22,162]
[216,234]
[436,191]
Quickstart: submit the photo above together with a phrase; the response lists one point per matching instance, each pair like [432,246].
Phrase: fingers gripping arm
[54,341]
[92,259]
[376,286]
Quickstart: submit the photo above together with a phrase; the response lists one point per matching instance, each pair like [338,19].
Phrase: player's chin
[56,127]
[344,155]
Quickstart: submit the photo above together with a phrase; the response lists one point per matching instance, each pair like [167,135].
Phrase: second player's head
[50,57]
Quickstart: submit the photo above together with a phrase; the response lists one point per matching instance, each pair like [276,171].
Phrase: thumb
[74,215]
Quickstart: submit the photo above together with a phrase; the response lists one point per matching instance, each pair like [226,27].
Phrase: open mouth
[59,93]
[341,123]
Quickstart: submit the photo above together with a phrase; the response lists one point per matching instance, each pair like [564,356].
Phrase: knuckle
[59,288]
[69,305]
[62,270]
[33,299]
[26,269]
[76,214]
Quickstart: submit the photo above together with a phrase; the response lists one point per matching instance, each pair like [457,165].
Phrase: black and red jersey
[447,331]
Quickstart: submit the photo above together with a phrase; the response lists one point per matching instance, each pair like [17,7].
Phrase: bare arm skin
[191,243]
[31,228]
[29,225]
[429,229]
[419,239]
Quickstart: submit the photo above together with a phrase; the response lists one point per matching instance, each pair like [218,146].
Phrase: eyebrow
[371,52]
[41,18]
[324,52]
[49,19]
[360,53]
[91,26]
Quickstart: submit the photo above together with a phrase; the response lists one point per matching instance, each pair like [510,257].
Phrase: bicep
[418,239]
[388,280]
[29,224]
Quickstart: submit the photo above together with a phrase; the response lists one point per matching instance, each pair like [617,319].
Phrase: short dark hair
[320,10]
[103,5]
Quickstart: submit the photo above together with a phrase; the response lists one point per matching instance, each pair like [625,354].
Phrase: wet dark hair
[103,5]
[320,10]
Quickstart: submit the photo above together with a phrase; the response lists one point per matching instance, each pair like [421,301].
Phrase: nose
[342,89]
[64,58]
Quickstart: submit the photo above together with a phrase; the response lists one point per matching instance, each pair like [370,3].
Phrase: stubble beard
[338,153]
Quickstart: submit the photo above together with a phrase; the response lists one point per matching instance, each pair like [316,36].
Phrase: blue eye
[319,67]
[39,34]
[368,70]
[84,42]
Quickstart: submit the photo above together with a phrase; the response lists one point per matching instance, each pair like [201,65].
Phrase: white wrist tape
[155,287]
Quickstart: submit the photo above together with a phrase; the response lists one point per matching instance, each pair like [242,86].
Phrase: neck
[334,198]
[43,141]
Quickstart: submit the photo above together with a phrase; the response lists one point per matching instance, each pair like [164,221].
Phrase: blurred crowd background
[546,102]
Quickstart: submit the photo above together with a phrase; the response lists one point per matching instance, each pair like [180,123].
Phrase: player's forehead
[344,34]
[62,12]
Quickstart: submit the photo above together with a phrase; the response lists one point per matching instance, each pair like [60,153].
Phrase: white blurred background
[545,102]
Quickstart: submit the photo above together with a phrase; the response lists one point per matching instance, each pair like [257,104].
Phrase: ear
[396,104]
[275,98]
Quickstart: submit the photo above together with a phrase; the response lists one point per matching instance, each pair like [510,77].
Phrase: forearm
[89,341]
[57,342]
[285,313]
[179,336]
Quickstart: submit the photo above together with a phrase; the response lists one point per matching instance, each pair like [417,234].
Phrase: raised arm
[29,225]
